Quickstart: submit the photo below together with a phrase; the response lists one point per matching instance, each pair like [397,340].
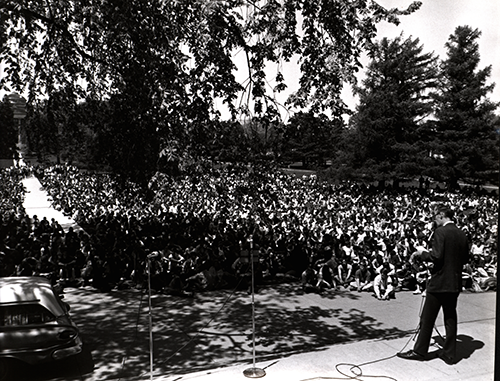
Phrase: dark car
[35,325]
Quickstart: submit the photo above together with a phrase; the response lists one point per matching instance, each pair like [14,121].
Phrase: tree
[311,139]
[53,128]
[467,142]
[39,133]
[8,130]
[394,103]
[230,144]
[163,64]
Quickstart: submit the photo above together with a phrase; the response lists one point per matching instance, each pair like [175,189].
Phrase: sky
[433,23]
[436,20]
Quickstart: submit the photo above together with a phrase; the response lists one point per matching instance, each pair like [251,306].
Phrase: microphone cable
[355,370]
[356,373]
[135,332]
[198,333]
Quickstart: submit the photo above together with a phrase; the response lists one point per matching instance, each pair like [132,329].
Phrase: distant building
[18,104]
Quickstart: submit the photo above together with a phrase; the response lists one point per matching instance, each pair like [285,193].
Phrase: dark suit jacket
[450,251]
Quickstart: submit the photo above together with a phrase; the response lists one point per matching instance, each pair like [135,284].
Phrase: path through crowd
[37,203]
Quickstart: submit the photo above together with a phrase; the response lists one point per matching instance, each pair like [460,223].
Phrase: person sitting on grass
[422,276]
[362,278]
[325,278]
[309,280]
[383,285]
[344,273]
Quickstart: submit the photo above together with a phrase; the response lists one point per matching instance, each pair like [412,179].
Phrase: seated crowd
[202,232]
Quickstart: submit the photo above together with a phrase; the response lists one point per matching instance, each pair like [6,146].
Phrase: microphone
[154,254]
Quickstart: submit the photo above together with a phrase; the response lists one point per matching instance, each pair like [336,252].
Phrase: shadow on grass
[211,330]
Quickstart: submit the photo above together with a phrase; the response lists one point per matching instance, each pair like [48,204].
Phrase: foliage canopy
[163,65]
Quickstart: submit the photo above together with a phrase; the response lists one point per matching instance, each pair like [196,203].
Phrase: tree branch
[29,14]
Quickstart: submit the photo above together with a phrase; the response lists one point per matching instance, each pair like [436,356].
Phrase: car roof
[29,290]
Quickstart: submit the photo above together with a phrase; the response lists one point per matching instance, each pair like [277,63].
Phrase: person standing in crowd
[449,252]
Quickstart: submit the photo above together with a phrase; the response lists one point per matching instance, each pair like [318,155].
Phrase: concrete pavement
[37,202]
[366,359]
[299,337]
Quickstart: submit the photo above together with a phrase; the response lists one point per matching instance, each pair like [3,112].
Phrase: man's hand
[420,249]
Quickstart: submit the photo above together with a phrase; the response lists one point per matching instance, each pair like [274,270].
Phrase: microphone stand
[253,372]
[150,320]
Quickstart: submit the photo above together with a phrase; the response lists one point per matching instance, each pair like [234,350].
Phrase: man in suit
[450,251]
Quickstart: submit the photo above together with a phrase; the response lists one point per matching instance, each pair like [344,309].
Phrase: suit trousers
[434,301]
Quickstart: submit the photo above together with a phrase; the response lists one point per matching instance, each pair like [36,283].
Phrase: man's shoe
[446,359]
[411,355]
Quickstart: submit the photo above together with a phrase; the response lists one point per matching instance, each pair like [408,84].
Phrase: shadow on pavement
[210,330]
[466,346]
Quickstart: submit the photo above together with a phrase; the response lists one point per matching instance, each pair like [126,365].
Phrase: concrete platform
[366,359]
[363,360]
[299,337]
